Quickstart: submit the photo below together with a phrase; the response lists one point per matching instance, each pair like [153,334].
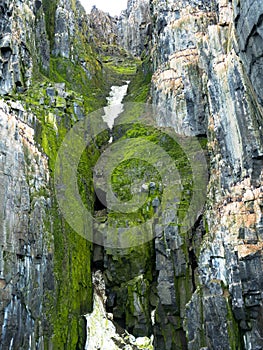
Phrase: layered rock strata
[204,73]
[26,247]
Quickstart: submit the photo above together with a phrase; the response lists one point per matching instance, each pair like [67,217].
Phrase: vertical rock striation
[104,26]
[134,26]
[23,39]
[207,64]
[26,255]
[248,22]
[45,277]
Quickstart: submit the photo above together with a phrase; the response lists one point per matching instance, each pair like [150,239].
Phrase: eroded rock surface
[26,258]
[134,26]
[23,35]
[199,59]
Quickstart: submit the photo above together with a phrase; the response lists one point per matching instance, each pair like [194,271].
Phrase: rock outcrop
[104,27]
[23,36]
[36,251]
[102,333]
[26,259]
[249,26]
[134,26]
[204,61]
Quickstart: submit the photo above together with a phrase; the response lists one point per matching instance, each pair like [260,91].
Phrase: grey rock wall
[179,82]
[204,74]
[64,29]
[104,27]
[248,21]
[205,287]
[134,26]
[29,287]
[22,26]
[26,251]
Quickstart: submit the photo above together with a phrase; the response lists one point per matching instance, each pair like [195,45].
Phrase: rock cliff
[45,270]
[26,247]
[201,63]
[134,26]
[205,55]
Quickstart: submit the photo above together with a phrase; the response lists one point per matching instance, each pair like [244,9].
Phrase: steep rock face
[102,333]
[199,76]
[134,26]
[179,81]
[70,34]
[200,289]
[249,27]
[23,36]
[26,246]
[104,26]
[64,29]
[36,304]
[39,251]
[46,286]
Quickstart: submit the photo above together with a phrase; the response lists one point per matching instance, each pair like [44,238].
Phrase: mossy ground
[139,87]
[131,169]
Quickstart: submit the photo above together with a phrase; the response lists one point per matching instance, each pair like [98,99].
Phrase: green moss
[72,297]
[203,142]
[234,334]
[74,76]
[131,272]
[131,169]
[123,69]
[122,183]
[87,87]
[49,7]
[139,87]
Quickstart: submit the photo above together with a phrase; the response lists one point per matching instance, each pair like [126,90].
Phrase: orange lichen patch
[242,207]
[183,57]
[168,75]
[2,283]
[168,80]
[249,249]
[246,220]
[164,75]
[238,214]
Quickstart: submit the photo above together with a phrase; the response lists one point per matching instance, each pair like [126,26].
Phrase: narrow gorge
[169,96]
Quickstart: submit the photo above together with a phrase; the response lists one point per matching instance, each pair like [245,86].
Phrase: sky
[114,7]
